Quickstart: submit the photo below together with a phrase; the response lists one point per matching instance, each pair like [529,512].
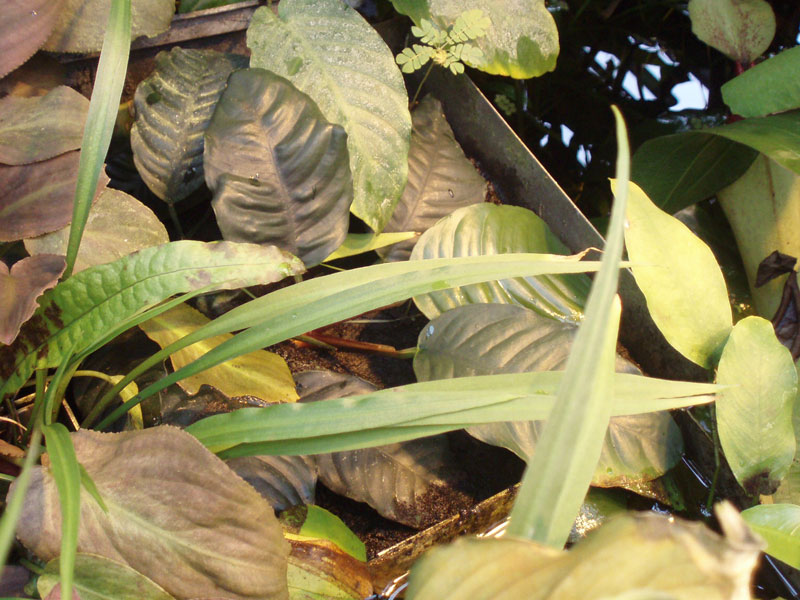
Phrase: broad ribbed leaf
[93,302]
[38,198]
[118,225]
[81,24]
[34,129]
[402,481]
[21,286]
[760,207]
[747,94]
[440,178]
[680,279]
[740,29]
[332,54]
[678,170]
[522,41]
[173,108]
[486,229]
[640,555]
[754,414]
[24,27]
[98,578]
[779,525]
[261,374]
[496,338]
[279,170]
[284,481]
[176,514]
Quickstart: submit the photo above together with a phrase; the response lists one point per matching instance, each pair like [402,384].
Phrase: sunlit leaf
[93,302]
[332,54]
[173,108]
[702,565]
[485,229]
[678,170]
[740,29]
[440,178]
[779,525]
[680,279]
[24,26]
[81,23]
[118,225]
[754,414]
[34,129]
[747,93]
[261,374]
[773,135]
[279,171]
[759,208]
[21,286]
[176,514]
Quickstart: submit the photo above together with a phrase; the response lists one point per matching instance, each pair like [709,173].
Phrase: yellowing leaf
[260,373]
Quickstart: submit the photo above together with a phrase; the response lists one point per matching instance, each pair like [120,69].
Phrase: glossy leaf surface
[189,524]
[173,108]
[754,414]
[34,129]
[331,53]
[774,135]
[118,225]
[680,279]
[486,229]
[279,170]
[93,302]
[440,178]
[496,338]
[676,171]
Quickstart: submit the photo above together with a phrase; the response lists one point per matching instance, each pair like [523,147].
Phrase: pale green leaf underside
[754,414]
[779,525]
[680,279]
[331,53]
[173,108]
[487,229]
[89,304]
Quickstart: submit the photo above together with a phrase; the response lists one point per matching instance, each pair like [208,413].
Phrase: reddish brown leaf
[37,198]
[20,288]
[25,25]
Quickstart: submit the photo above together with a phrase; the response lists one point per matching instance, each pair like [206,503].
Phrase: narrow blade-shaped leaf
[331,53]
[279,170]
[754,414]
[680,279]
[173,108]
[82,309]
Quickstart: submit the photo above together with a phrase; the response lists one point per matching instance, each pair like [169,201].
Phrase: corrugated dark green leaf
[280,172]
[173,108]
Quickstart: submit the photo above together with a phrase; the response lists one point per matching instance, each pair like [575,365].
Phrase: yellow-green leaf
[260,373]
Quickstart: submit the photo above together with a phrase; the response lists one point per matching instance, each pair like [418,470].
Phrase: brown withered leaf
[176,514]
[37,198]
[320,569]
[21,286]
[25,25]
